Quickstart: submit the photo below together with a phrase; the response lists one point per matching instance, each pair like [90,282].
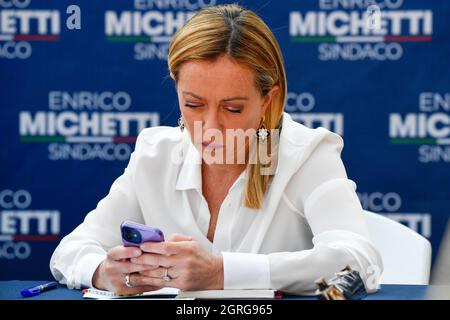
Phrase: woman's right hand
[110,274]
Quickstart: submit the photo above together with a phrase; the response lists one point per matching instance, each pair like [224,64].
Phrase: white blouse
[311,224]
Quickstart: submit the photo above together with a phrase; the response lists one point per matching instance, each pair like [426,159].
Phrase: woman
[277,212]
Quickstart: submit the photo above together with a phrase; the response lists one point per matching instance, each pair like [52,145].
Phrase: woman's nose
[212,121]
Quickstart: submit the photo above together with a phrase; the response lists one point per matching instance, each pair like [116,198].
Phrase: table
[10,290]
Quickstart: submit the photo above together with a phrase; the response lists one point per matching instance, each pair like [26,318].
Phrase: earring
[181,123]
[262,133]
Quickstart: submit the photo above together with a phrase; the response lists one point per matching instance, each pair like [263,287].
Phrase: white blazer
[311,225]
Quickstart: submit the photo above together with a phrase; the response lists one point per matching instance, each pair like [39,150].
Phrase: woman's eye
[191,105]
[234,110]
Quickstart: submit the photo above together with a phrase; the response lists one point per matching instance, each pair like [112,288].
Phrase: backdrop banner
[80,79]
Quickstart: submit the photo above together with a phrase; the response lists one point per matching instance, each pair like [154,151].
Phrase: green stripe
[413,141]
[129,39]
[42,139]
[313,39]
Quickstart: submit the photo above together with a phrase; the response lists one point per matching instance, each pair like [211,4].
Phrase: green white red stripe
[79,139]
[420,141]
[161,39]
[28,37]
[28,237]
[343,39]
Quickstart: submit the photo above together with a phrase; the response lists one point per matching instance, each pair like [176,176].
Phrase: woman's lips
[211,145]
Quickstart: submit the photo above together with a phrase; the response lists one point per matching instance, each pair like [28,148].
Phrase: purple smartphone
[134,234]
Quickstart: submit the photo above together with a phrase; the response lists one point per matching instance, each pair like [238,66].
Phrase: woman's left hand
[188,265]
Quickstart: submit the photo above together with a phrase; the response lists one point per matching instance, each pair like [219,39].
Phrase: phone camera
[131,235]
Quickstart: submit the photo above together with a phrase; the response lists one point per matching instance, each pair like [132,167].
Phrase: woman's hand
[110,274]
[188,265]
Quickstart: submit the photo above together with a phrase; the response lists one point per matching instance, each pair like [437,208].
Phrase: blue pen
[34,291]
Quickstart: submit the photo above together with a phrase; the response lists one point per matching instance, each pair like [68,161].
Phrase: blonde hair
[242,35]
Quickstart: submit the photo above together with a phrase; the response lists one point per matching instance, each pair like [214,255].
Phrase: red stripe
[124,139]
[34,238]
[407,38]
[35,37]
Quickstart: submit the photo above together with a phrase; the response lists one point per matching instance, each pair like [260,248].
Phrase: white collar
[190,176]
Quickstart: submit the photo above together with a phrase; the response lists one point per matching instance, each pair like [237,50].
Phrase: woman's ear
[172,76]
[268,98]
